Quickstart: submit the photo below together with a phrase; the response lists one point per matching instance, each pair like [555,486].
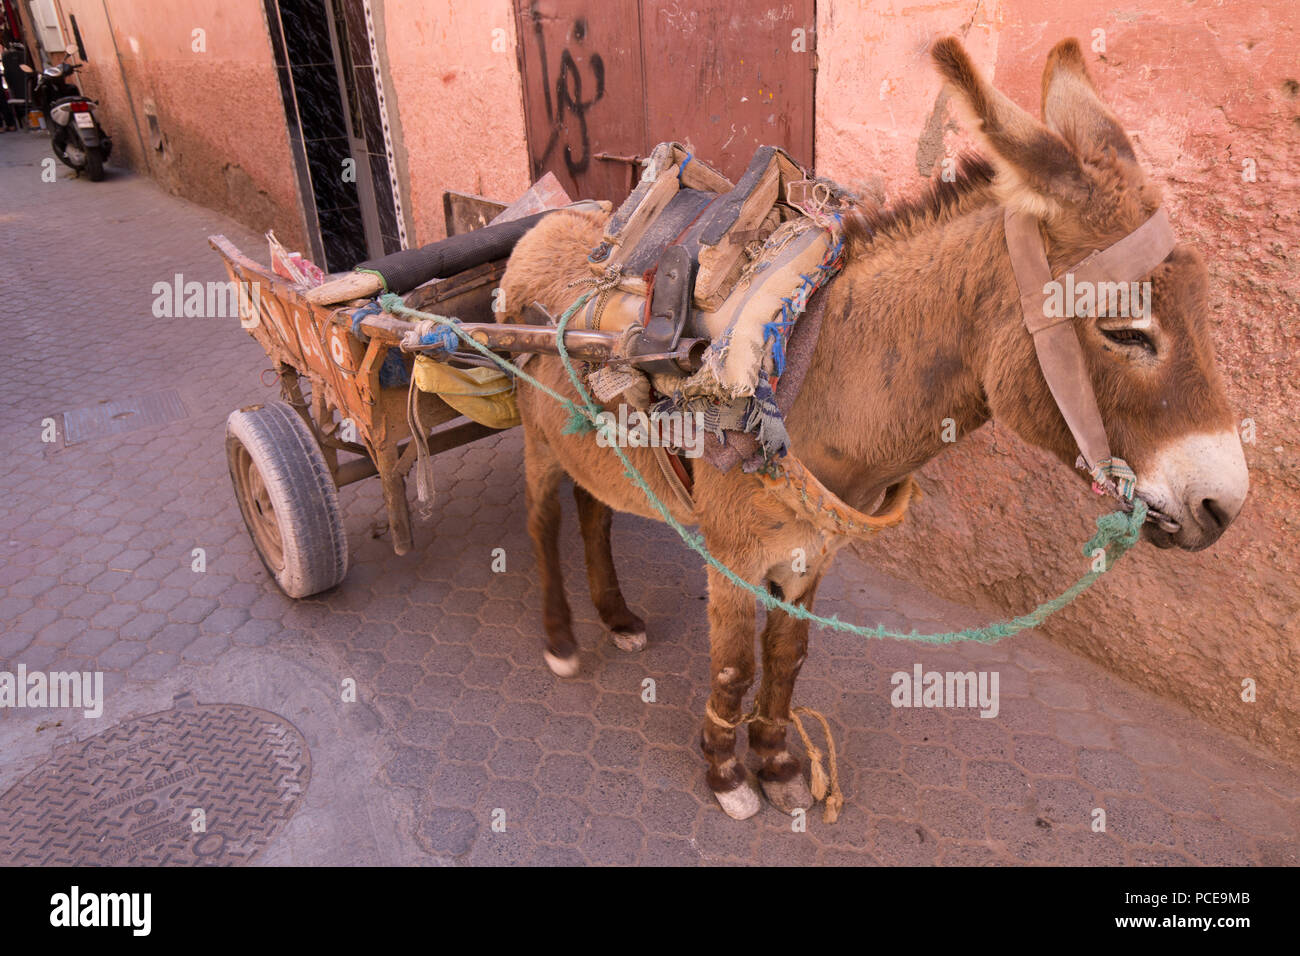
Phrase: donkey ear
[1072,107]
[1036,166]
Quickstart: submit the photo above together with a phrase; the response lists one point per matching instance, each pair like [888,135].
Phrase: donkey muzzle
[1195,487]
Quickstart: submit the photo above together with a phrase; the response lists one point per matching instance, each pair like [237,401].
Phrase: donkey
[922,324]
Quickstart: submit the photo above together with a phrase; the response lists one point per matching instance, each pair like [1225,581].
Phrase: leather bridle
[1060,356]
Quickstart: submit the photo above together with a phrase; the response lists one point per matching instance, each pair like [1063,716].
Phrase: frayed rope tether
[1117,531]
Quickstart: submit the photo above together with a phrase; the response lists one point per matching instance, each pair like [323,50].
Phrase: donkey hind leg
[785,646]
[542,480]
[731,655]
[625,628]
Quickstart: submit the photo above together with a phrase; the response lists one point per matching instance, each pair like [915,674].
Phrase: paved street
[458,717]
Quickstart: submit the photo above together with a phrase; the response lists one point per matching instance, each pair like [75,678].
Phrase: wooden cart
[284,456]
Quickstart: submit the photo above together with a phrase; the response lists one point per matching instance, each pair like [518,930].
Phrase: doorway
[323,60]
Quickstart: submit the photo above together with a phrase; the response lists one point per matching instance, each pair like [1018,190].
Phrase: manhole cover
[129,795]
[113,418]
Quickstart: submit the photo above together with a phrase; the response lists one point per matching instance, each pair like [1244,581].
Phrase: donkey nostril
[1218,515]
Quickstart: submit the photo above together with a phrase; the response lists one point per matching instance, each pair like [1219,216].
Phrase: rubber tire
[94,164]
[302,494]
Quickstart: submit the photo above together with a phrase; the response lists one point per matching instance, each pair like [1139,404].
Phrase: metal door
[583,92]
[730,76]
[605,80]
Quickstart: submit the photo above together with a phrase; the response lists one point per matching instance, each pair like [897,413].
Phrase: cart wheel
[287,497]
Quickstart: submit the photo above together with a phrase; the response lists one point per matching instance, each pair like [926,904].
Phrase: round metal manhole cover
[130,794]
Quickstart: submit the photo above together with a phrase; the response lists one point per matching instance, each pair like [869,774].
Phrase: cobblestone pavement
[458,715]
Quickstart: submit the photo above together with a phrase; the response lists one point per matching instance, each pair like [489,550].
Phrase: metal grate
[116,417]
[129,795]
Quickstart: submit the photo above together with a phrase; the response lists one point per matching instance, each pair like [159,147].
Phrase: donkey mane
[938,201]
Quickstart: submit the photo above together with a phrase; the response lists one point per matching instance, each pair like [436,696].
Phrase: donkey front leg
[542,475]
[731,655]
[625,628]
[785,647]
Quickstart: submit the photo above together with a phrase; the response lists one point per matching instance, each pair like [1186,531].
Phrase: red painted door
[729,77]
[605,80]
[583,91]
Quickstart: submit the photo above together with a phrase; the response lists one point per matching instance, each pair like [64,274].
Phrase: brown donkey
[923,324]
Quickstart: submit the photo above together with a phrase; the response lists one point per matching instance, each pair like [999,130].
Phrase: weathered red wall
[451,79]
[220,113]
[1201,87]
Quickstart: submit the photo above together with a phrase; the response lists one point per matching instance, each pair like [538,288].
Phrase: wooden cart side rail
[386,328]
[314,343]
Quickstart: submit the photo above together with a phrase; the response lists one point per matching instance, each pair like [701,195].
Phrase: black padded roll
[403,271]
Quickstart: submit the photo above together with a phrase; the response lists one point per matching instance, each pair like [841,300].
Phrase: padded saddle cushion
[682,200]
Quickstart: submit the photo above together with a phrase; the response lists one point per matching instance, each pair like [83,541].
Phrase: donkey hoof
[742,802]
[788,796]
[562,666]
[628,642]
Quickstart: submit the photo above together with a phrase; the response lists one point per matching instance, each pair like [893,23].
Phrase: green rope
[383,283]
[1117,532]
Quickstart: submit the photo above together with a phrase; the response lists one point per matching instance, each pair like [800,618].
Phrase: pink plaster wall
[1201,86]
[451,79]
[454,68]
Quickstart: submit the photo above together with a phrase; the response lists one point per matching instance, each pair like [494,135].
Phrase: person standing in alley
[12,55]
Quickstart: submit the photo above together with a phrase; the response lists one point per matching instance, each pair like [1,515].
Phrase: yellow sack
[487,395]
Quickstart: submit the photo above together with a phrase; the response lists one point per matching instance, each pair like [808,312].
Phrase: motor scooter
[75,134]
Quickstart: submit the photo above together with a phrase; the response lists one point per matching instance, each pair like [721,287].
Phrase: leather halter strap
[1060,356]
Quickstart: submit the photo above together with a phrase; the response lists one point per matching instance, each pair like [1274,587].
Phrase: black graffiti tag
[568,98]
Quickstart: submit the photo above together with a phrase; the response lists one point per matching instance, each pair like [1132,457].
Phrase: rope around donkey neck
[1117,532]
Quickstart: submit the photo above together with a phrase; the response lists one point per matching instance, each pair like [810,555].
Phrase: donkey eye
[1130,337]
